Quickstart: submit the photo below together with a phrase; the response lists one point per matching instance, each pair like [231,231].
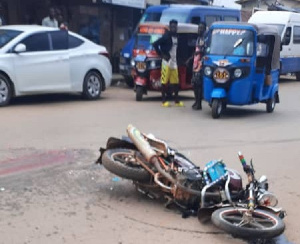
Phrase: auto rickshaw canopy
[264,33]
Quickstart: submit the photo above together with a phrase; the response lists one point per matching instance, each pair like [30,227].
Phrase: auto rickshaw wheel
[270,105]
[139,93]
[216,108]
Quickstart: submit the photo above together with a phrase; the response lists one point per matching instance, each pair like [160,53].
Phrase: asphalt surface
[51,191]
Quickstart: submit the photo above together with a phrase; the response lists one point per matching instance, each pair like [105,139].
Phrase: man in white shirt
[50,21]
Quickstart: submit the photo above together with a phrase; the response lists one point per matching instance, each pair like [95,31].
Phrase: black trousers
[197,82]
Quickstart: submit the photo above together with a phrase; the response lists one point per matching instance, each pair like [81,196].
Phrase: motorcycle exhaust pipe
[139,141]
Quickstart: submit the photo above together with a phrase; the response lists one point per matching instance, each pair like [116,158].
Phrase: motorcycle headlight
[237,73]
[207,71]
[152,64]
[267,199]
[221,75]
[141,66]
[132,62]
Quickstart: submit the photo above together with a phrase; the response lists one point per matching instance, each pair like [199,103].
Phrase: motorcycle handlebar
[247,168]
[242,159]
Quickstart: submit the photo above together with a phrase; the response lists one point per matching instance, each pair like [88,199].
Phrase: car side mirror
[20,48]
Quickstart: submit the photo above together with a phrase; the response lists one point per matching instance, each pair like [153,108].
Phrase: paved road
[51,192]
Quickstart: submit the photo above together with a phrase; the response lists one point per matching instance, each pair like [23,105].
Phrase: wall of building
[249,5]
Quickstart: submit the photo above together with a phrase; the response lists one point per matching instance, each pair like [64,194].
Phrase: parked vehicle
[183,13]
[158,170]
[147,64]
[241,66]
[38,60]
[288,25]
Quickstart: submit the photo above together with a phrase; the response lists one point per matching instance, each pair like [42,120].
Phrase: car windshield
[152,16]
[165,16]
[7,35]
[234,42]
[144,41]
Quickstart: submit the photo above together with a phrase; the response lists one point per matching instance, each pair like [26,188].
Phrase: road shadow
[153,97]
[282,239]
[232,112]
[48,99]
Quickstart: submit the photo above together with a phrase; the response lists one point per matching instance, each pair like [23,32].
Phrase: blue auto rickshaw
[241,66]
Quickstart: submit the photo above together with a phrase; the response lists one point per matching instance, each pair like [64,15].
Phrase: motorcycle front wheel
[261,224]
[123,163]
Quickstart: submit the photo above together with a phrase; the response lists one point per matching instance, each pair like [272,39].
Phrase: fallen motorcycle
[157,170]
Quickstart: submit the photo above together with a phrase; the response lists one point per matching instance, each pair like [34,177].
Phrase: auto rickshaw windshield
[231,42]
[144,41]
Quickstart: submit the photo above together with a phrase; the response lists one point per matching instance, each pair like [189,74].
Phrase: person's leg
[196,94]
[165,74]
[174,81]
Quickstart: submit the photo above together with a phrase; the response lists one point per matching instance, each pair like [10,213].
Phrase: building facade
[251,4]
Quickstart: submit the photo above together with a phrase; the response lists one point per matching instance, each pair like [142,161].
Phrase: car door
[44,66]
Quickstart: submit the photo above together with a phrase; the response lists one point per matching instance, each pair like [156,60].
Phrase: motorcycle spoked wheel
[122,162]
[263,224]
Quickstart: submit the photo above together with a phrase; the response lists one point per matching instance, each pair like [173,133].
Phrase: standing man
[50,21]
[166,48]
[197,79]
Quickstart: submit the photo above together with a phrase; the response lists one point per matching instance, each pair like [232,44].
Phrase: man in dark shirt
[166,47]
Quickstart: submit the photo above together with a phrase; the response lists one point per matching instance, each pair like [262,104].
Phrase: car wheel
[92,85]
[5,90]
[298,76]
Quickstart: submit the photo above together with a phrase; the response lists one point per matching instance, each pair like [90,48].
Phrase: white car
[39,60]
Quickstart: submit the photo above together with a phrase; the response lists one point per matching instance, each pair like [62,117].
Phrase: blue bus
[183,14]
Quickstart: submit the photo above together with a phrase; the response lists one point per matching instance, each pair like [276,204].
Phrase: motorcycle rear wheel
[122,162]
[262,224]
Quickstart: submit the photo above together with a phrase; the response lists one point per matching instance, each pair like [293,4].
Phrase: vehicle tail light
[104,53]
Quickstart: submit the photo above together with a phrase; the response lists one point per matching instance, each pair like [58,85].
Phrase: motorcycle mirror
[263,179]
[252,167]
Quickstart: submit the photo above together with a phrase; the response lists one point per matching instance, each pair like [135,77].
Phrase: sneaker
[166,104]
[179,104]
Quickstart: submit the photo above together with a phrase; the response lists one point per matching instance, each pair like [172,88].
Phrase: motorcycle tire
[217,108]
[120,161]
[139,93]
[265,224]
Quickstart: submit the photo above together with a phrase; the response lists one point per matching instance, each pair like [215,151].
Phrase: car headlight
[267,199]
[207,71]
[152,64]
[132,62]
[237,73]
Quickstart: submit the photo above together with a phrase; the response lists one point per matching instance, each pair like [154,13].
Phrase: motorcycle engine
[186,199]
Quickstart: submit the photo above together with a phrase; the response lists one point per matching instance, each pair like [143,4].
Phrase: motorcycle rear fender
[218,93]
[140,81]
